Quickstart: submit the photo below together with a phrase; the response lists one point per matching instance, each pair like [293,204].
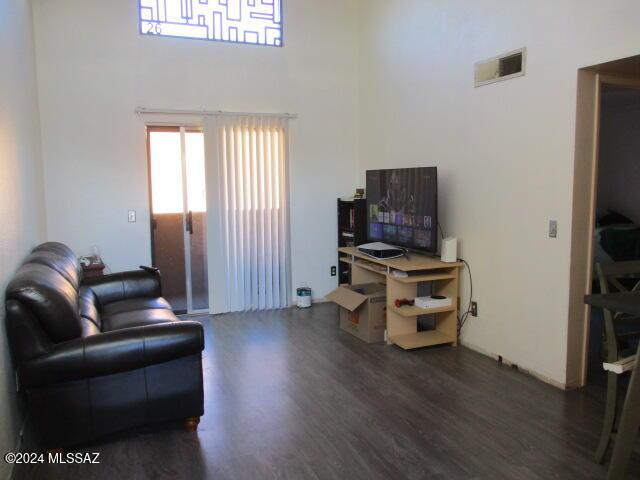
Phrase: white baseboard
[314,301]
[521,368]
[320,300]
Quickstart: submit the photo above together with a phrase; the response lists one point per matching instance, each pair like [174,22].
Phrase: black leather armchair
[99,356]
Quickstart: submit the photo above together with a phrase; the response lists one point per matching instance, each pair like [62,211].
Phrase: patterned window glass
[240,21]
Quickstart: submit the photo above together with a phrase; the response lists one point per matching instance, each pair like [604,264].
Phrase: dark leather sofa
[102,355]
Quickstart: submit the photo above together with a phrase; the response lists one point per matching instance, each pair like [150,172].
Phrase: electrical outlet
[474,309]
[333,271]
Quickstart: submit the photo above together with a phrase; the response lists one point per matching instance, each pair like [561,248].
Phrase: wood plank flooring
[288,395]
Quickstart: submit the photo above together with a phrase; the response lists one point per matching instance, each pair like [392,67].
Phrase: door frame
[590,84]
[182,129]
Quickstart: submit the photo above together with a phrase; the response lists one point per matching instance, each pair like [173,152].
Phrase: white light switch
[132,216]
[553,228]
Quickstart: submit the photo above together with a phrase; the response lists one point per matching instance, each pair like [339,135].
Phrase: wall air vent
[502,67]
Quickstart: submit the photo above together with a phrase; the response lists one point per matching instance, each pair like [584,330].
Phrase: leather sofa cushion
[137,318]
[124,285]
[62,264]
[64,251]
[113,352]
[89,306]
[88,328]
[135,304]
[50,298]
[26,337]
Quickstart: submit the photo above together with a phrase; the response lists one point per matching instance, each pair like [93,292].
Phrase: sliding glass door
[179,215]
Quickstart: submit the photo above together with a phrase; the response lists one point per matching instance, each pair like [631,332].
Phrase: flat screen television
[402,207]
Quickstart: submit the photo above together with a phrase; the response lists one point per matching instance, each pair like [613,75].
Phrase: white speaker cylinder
[449,250]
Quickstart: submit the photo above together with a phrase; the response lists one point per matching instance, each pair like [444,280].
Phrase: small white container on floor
[304,297]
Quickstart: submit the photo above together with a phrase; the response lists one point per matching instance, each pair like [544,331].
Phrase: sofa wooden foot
[191,424]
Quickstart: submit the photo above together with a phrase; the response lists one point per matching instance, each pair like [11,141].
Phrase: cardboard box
[363,310]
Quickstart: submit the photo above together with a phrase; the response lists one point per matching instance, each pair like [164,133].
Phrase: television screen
[402,207]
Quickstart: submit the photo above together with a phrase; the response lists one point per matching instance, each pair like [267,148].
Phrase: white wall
[95,69]
[619,158]
[21,197]
[505,151]
[388,83]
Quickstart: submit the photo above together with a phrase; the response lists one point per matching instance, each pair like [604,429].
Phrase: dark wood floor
[287,395]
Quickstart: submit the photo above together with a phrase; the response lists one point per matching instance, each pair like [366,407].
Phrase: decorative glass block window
[240,21]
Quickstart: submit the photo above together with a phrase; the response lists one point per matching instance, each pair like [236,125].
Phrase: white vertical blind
[247,194]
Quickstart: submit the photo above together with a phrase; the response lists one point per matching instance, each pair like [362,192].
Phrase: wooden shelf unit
[352,228]
[402,323]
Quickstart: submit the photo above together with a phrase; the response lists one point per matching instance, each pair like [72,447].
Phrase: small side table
[93,270]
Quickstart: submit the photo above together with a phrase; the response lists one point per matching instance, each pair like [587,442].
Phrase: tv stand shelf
[402,323]
[364,264]
[422,339]
[411,311]
[413,263]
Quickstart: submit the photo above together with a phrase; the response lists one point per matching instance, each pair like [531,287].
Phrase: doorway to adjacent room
[604,228]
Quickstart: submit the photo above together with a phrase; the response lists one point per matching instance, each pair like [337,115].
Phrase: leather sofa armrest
[113,352]
[146,268]
[124,285]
